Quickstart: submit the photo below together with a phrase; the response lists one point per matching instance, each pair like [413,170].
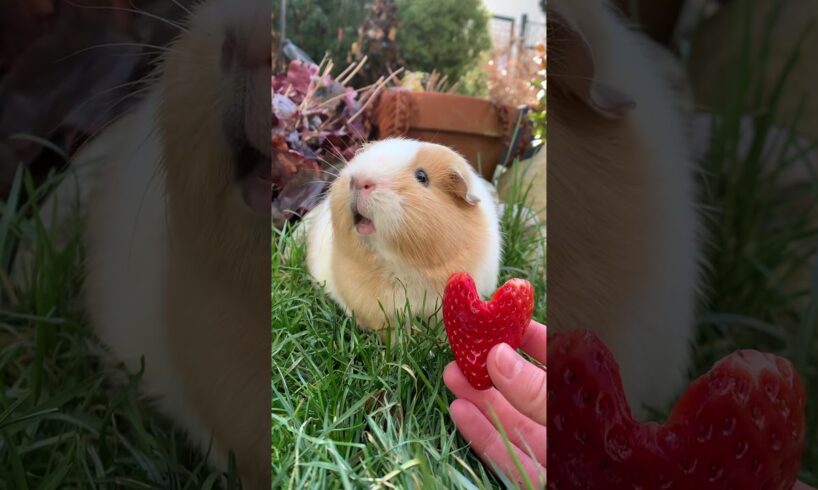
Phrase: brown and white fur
[383,238]
[179,235]
[623,259]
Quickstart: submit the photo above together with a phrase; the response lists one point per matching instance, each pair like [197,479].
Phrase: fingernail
[507,361]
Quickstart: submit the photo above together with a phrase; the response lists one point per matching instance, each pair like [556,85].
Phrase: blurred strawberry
[740,426]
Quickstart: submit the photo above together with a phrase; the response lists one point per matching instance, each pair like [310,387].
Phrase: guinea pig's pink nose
[366,185]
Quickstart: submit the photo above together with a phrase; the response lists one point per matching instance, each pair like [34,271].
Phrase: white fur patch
[383,159]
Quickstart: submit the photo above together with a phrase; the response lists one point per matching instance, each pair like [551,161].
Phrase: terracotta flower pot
[482,131]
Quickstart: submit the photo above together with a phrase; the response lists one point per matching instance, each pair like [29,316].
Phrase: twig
[346,71]
[378,87]
[354,72]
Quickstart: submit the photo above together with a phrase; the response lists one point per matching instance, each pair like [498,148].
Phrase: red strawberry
[740,426]
[475,326]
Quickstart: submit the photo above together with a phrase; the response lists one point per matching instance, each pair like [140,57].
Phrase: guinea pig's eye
[420,176]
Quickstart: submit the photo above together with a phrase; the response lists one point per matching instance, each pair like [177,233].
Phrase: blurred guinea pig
[401,217]
[179,235]
[624,259]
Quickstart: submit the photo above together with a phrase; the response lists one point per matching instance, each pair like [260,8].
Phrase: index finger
[489,445]
[535,341]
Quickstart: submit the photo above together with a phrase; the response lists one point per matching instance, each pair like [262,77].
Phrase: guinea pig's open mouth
[254,175]
[363,225]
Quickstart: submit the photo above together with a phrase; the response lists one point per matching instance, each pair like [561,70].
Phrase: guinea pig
[401,217]
[178,237]
[624,255]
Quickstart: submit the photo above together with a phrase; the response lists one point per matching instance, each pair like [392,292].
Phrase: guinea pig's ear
[461,186]
[571,70]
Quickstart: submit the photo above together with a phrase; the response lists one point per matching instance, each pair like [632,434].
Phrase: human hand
[517,401]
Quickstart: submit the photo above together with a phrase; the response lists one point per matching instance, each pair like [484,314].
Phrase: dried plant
[510,75]
[418,81]
[318,122]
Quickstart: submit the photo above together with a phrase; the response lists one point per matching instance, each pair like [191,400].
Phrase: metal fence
[502,29]
[520,37]
[532,33]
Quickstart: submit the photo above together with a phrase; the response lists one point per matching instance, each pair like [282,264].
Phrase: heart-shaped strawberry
[475,326]
[740,426]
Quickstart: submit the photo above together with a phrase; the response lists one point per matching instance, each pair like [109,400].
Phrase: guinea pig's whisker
[334,167]
[556,75]
[146,83]
[151,134]
[316,182]
[156,47]
[102,127]
[338,153]
[335,149]
[322,159]
[326,172]
[137,11]
[132,83]
[182,6]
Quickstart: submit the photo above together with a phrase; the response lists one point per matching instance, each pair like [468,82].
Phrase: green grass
[761,285]
[63,425]
[351,412]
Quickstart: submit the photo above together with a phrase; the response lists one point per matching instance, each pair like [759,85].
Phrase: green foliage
[63,424]
[447,36]
[322,27]
[538,115]
[377,41]
[475,82]
[444,35]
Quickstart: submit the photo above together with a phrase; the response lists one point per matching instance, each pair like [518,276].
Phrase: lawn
[340,397]
[347,410]
[62,424]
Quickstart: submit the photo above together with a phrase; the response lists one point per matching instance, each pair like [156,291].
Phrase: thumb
[522,383]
